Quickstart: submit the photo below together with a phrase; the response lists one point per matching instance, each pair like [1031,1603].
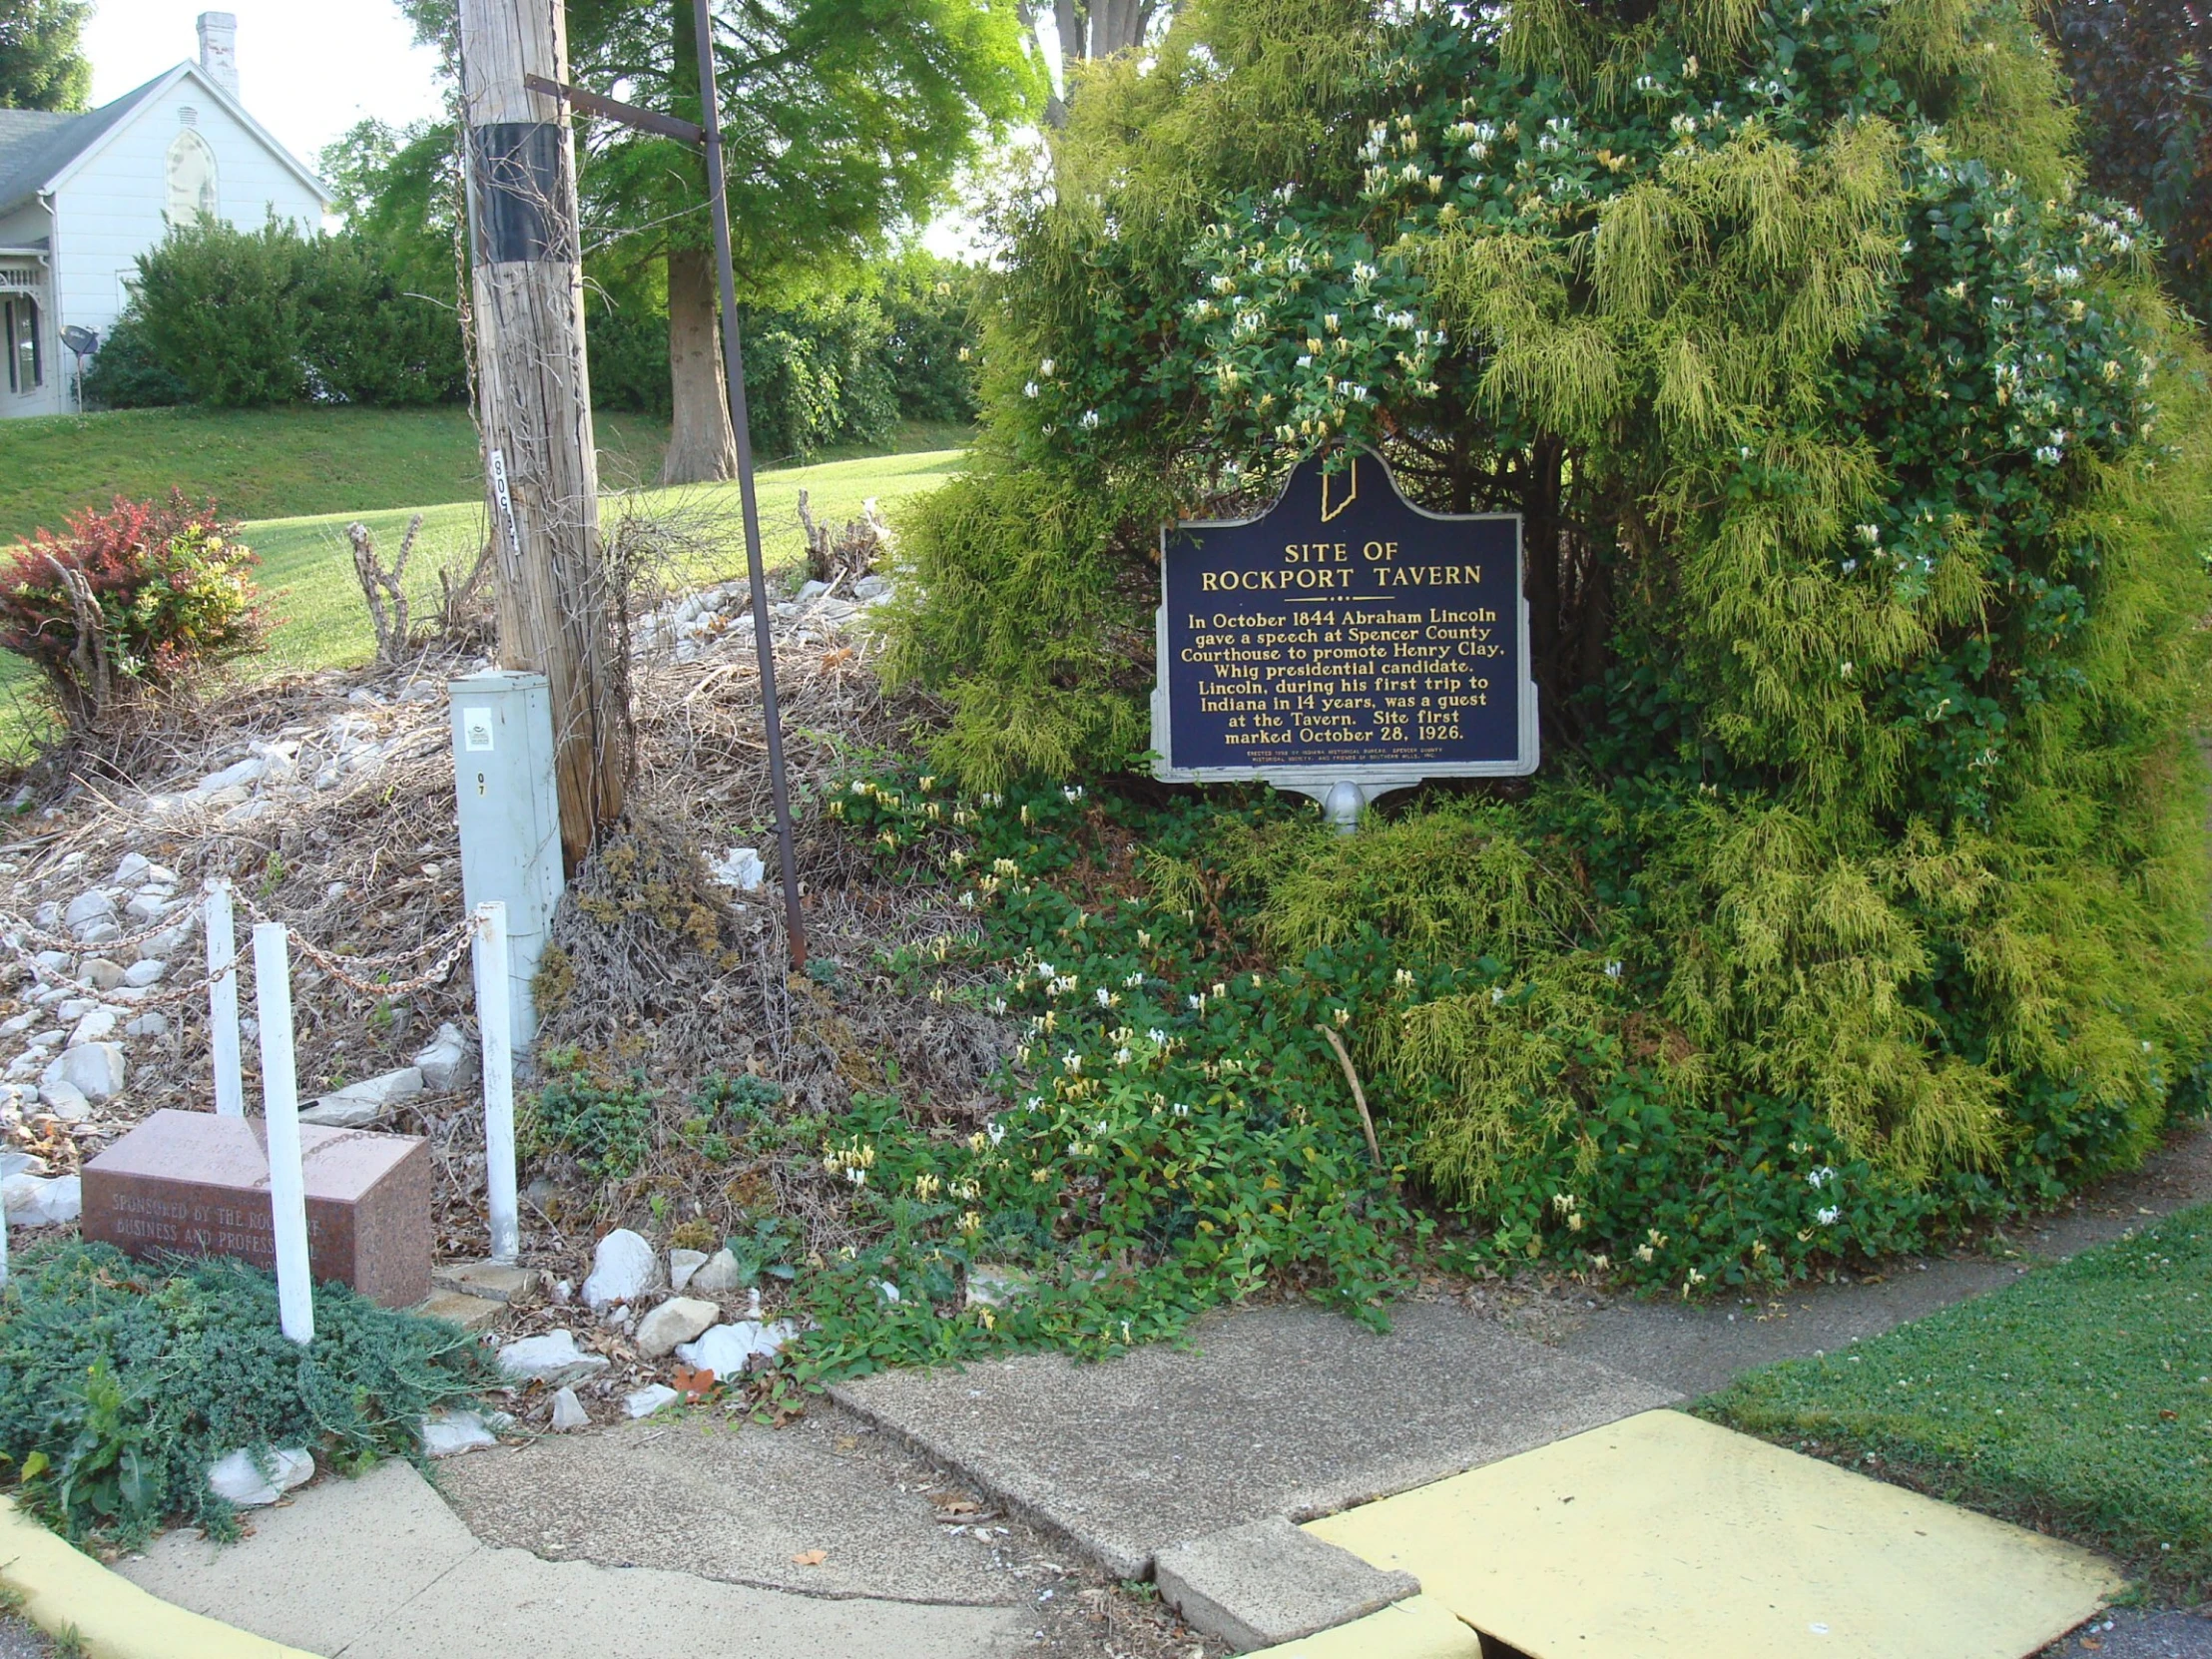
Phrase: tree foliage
[239,319]
[42,61]
[2142,75]
[1864,467]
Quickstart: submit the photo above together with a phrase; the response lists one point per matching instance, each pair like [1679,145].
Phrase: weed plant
[121,1381]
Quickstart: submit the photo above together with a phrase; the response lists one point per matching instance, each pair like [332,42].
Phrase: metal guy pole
[732,363]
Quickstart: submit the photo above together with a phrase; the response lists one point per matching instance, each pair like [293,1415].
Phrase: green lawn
[2080,1397]
[271,463]
[308,566]
[315,603]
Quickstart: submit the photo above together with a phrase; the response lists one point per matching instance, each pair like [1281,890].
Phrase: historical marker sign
[1344,643]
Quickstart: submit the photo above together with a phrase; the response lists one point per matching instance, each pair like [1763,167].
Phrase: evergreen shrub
[243,318]
[1864,471]
[126,374]
[121,1381]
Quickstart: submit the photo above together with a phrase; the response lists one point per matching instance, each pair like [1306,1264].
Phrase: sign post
[1343,644]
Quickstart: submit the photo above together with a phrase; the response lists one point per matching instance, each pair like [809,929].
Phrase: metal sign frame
[1345,789]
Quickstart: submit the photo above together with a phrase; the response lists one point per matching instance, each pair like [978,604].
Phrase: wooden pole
[558,607]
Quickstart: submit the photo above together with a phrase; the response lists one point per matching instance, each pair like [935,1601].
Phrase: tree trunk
[560,613]
[700,446]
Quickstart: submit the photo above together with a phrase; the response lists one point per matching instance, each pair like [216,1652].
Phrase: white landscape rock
[145,971]
[568,1411]
[622,1267]
[553,1359]
[146,907]
[364,1102]
[100,974]
[95,1027]
[166,946]
[153,1023]
[725,1350]
[717,1275]
[132,871]
[234,776]
[240,1478]
[451,1432]
[676,1320]
[445,1062]
[89,911]
[33,1201]
[682,1264]
[65,1100]
[643,1403]
[993,1285]
[93,1069]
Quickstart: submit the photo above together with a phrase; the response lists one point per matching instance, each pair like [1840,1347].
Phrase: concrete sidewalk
[382,1568]
[673,1535]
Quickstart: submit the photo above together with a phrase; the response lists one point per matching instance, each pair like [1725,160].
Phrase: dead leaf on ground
[693,1382]
[951,1505]
[812,1557]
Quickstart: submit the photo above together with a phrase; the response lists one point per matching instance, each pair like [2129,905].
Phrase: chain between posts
[345,970]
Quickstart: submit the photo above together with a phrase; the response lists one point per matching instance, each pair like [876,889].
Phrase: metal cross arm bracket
[648,121]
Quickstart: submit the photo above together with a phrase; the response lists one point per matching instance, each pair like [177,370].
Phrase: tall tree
[2142,75]
[42,60]
[845,120]
[1086,30]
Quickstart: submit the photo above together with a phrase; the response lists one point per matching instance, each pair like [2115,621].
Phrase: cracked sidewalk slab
[1267,1582]
[380,1569]
[1289,1412]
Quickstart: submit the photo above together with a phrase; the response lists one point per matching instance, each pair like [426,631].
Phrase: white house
[83,196]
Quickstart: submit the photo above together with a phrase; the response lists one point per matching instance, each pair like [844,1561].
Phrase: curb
[62,1587]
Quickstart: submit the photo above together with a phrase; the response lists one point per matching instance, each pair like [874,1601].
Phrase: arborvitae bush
[1865,470]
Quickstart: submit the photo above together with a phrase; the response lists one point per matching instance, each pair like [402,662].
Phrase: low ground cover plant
[126,604]
[1175,1128]
[121,1381]
[2079,1397]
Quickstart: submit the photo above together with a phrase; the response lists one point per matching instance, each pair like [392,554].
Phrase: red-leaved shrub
[126,604]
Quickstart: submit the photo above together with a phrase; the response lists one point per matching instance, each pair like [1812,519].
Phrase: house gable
[187,145]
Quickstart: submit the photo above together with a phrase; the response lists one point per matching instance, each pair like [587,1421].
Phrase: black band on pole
[732,363]
[518,181]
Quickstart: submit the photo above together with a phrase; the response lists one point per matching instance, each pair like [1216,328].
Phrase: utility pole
[558,607]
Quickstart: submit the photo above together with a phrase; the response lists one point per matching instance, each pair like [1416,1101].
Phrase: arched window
[190,178]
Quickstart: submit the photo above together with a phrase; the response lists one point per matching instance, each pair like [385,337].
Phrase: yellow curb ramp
[1663,1536]
[1420,1628]
[62,1587]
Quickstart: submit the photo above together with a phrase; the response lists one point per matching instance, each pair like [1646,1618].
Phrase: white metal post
[493,1017]
[288,1188]
[223,1001]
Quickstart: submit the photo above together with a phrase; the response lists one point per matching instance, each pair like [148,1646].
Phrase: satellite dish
[80,340]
